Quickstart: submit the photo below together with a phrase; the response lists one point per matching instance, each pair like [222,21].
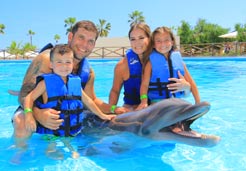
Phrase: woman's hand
[142,105]
[120,110]
[107,117]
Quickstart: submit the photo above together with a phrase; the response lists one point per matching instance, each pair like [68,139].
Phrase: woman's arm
[117,83]
[144,86]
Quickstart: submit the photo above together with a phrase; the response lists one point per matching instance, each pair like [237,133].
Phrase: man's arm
[39,65]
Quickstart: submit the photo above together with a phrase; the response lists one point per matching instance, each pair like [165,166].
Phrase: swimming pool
[221,81]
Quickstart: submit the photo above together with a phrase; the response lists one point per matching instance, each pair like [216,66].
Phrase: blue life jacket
[65,98]
[84,72]
[162,69]
[132,85]
[84,67]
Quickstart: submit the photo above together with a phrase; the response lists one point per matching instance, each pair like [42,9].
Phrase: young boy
[62,86]
[62,91]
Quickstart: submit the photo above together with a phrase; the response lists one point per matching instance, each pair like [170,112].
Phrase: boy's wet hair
[60,49]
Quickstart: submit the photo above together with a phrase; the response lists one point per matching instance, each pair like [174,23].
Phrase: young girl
[165,74]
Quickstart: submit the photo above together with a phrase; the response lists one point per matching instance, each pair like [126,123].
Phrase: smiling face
[163,40]
[140,36]
[62,60]
[163,43]
[82,42]
[139,41]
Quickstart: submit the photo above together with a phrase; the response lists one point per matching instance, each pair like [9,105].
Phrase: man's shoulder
[41,63]
[42,57]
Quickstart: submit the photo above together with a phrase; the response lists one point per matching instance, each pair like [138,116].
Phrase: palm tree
[14,49]
[136,17]
[103,28]
[57,38]
[2,27]
[27,48]
[69,22]
[30,33]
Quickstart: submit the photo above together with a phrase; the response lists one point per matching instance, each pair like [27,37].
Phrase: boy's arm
[34,94]
[93,107]
[30,122]
[89,90]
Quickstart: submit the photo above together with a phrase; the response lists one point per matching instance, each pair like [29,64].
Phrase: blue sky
[46,17]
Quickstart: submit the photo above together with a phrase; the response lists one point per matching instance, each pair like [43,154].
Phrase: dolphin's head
[168,120]
[181,132]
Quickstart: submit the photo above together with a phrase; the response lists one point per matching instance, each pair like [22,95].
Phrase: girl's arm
[193,85]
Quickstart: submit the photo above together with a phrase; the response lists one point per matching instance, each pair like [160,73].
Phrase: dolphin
[167,120]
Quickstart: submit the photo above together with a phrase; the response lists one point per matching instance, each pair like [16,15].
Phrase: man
[82,40]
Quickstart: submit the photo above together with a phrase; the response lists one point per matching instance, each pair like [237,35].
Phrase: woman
[128,71]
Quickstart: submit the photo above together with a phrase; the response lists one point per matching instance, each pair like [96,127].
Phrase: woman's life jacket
[132,85]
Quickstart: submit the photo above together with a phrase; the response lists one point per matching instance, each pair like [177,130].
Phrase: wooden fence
[214,49]
[102,52]
[206,49]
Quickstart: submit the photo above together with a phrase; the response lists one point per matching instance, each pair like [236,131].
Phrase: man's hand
[49,118]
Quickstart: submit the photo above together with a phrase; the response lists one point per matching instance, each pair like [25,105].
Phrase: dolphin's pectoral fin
[122,126]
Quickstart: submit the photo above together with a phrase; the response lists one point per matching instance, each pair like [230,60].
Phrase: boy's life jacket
[65,98]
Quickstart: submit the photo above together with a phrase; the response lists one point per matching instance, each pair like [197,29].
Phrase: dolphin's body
[159,121]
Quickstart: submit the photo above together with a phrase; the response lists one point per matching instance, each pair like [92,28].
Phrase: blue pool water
[220,81]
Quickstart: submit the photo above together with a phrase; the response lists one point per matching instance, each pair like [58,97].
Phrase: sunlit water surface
[220,81]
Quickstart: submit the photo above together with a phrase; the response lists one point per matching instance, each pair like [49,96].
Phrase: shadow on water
[97,152]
